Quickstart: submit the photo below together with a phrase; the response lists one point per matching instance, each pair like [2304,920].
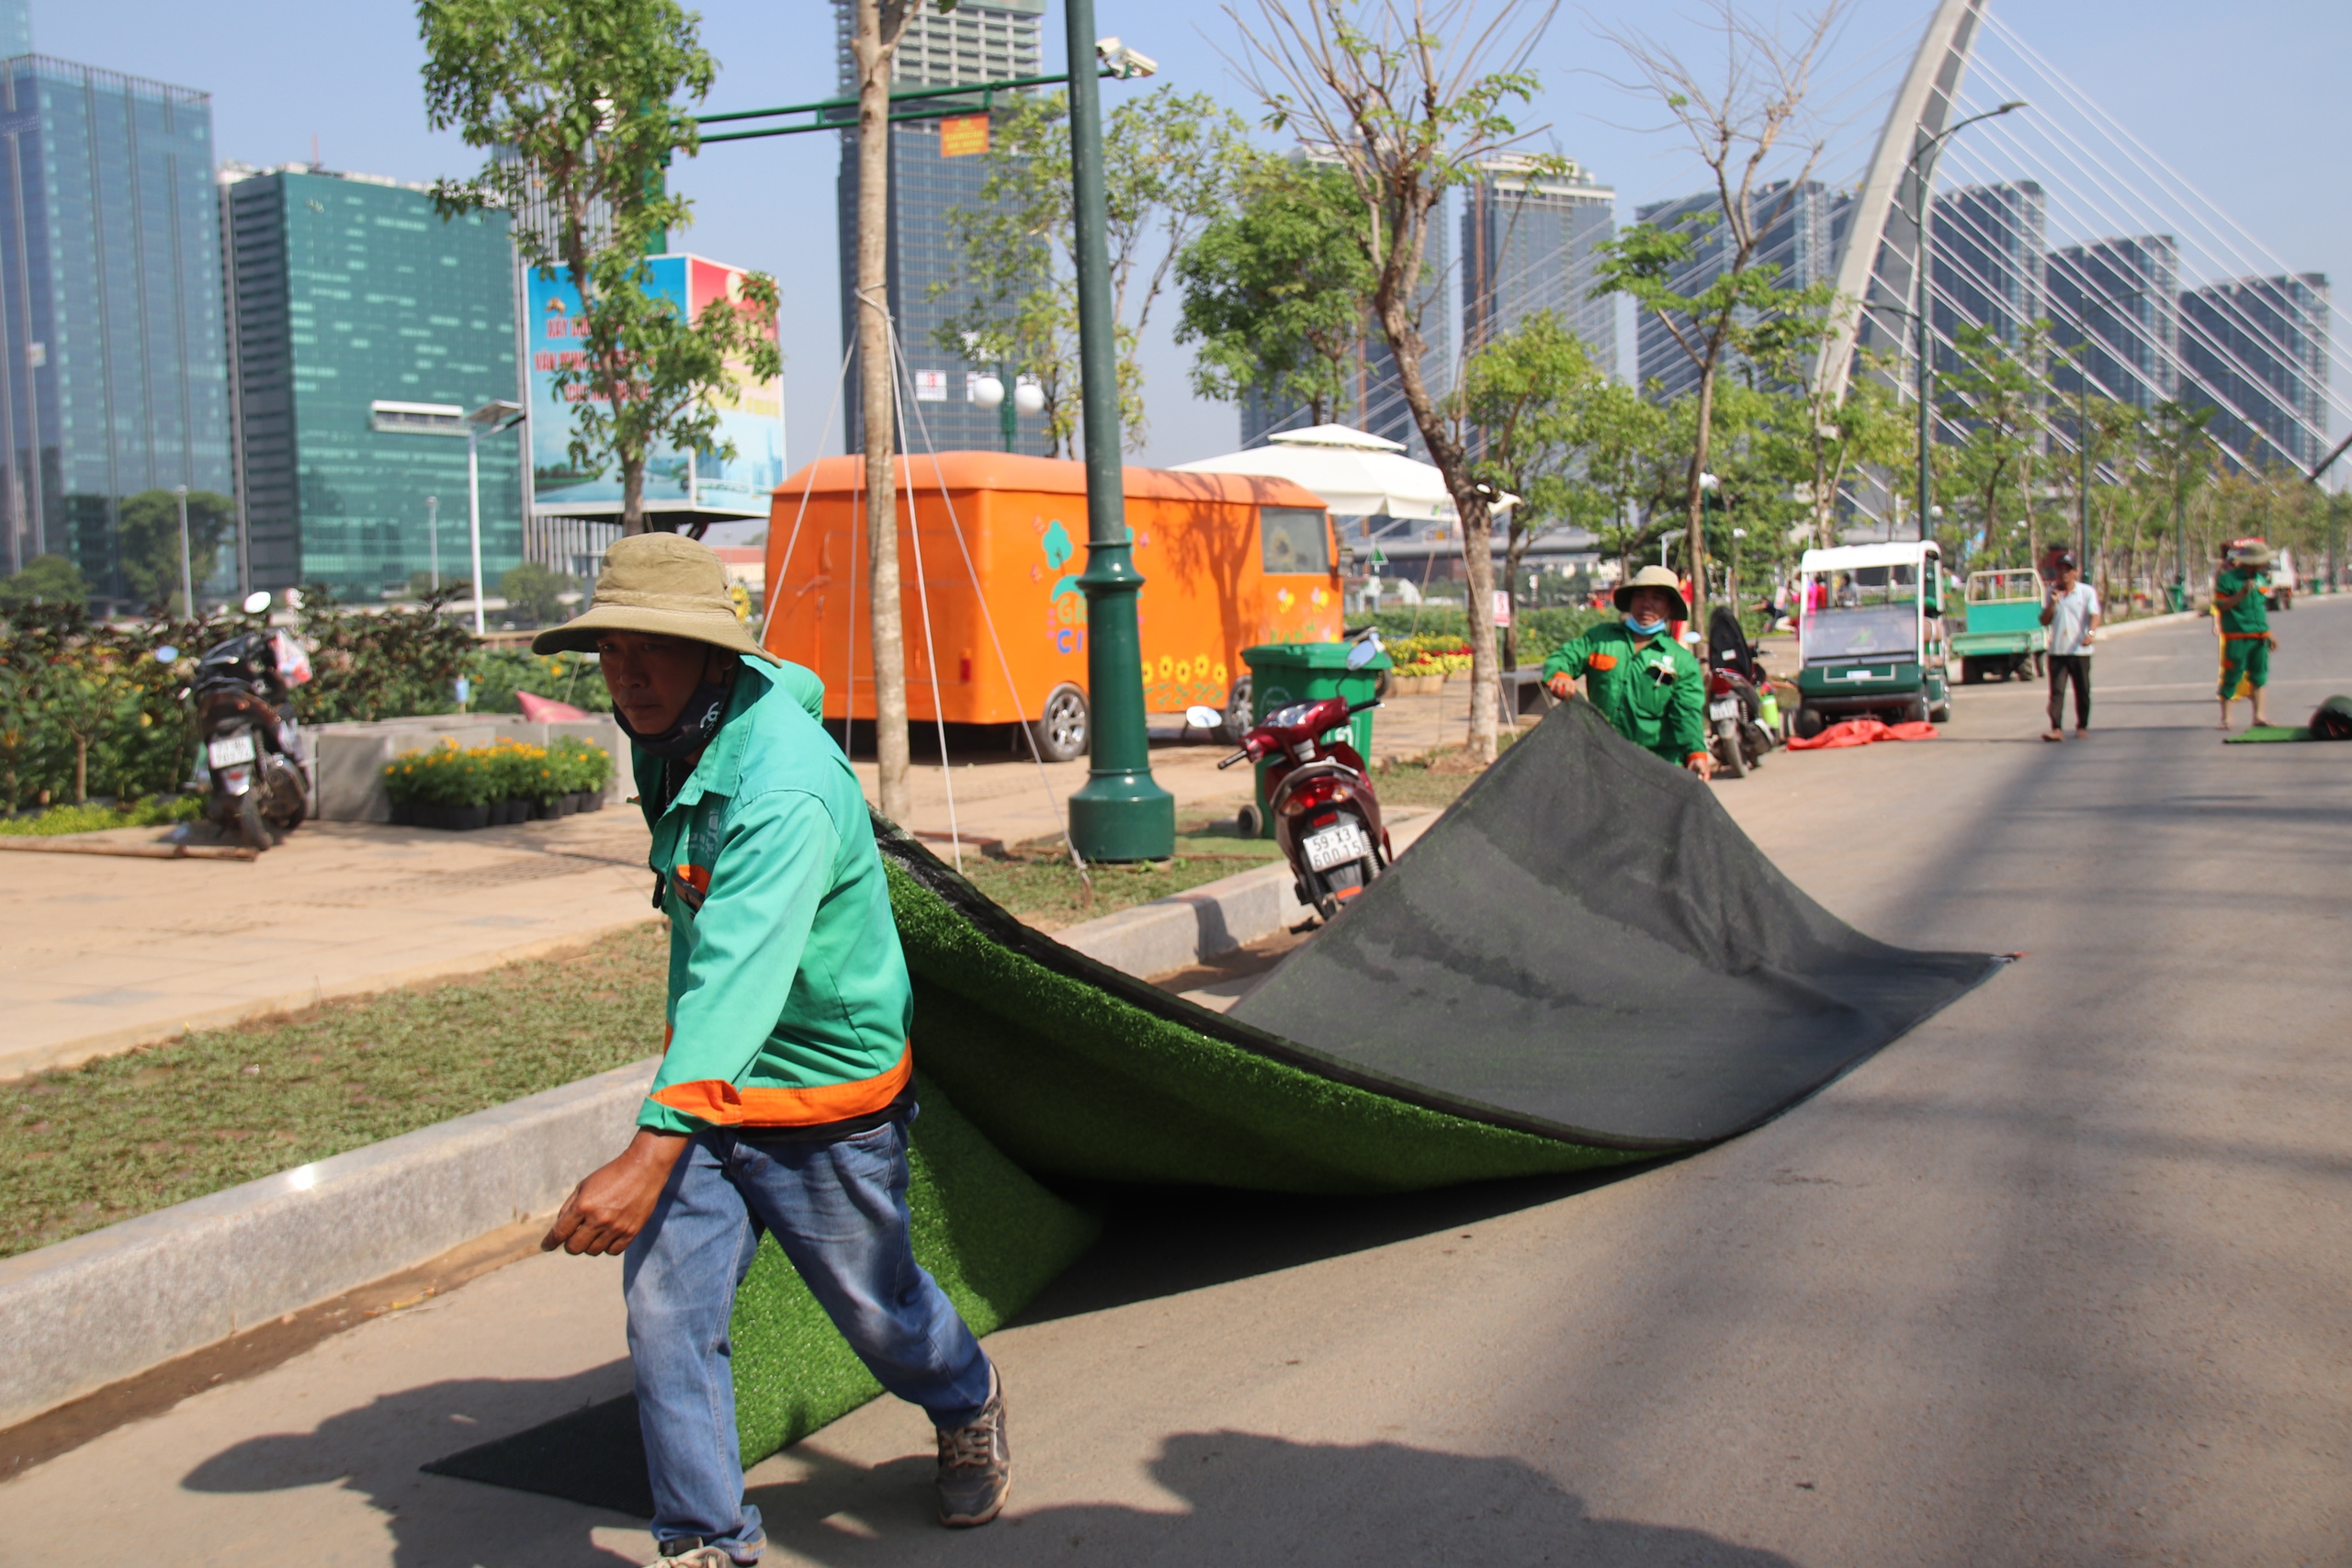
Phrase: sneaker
[692,1551]
[976,1465]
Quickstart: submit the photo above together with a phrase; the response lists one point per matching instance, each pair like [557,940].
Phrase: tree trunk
[81,769]
[632,498]
[1695,553]
[875,374]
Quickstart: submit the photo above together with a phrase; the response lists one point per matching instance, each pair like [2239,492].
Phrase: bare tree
[1407,97]
[873,47]
[1743,112]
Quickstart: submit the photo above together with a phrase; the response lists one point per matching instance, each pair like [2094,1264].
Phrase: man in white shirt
[2071,613]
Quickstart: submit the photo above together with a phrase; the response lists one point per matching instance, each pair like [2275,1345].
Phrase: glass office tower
[1531,242]
[2254,350]
[1801,227]
[110,308]
[366,328]
[980,40]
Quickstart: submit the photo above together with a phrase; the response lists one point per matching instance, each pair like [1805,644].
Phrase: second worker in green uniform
[2240,603]
[1648,686]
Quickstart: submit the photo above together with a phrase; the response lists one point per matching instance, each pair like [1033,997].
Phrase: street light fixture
[2083,424]
[1924,177]
[493,417]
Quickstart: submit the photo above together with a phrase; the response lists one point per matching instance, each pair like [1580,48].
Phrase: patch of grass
[86,1146]
[1037,883]
[96,818]
[1434,778]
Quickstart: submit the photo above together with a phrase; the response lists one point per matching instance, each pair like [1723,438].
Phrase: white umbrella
[1356,473]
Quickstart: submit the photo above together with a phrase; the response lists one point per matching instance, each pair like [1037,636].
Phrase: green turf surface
[2263,734]
[989,1235]
[86,1146]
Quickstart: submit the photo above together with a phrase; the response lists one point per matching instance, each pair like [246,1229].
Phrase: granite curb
[87,1312]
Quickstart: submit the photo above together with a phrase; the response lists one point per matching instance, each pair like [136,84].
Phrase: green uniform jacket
[2252,612]
[789,1003]
[1666,717]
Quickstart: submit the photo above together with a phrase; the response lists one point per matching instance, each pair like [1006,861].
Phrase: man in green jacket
[1645,684]
[786,1081]
[2242,613]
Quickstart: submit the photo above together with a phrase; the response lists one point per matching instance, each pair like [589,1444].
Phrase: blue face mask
[1644,628]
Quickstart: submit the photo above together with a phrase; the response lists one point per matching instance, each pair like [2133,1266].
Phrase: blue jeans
[838,1210]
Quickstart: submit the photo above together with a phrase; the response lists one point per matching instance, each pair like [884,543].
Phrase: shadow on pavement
[1240,1497]
[375,1450]
[1164,1241]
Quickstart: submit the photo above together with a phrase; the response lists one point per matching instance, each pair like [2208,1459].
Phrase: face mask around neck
[697,723]
[1640,627]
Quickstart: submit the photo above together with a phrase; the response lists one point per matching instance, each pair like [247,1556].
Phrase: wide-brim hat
[661,583]
[2255,554]
[1654,577]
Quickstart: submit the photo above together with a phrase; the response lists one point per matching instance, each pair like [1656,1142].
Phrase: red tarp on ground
[1861,732]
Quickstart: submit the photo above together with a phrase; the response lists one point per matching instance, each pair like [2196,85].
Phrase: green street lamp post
[1923,177]
[1120,813]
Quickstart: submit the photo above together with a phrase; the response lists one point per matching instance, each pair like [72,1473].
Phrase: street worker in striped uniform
[787,1083]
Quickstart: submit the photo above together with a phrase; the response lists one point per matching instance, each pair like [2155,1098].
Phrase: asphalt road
[2060,1277]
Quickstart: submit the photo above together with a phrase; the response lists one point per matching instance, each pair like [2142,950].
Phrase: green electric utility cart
[1871,636]
[2004,635]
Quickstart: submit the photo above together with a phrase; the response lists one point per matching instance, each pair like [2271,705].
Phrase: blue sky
[2243,100]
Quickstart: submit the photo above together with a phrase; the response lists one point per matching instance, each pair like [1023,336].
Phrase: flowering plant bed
[460,788]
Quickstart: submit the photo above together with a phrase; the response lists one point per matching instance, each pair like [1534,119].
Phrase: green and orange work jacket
[789,1003]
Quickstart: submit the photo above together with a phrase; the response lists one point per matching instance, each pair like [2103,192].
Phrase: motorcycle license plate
[231,749]
[1723,707]
[1337,846]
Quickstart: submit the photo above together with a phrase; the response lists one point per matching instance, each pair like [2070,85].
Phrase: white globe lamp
[1029,397]
[988,392]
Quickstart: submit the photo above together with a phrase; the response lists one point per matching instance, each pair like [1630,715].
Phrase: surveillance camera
[1126,62]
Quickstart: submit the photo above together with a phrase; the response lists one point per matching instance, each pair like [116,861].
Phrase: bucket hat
[1654,577]
[663,583]
[2253,553]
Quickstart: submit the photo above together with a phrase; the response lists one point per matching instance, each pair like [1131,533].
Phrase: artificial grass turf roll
[989,1235]
[1082,1073]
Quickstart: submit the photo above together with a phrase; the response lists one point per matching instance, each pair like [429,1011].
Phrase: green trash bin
[1282,673]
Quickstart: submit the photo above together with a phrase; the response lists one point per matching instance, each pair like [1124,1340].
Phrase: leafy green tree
[576,101]
[387,664]
[1409,98]
[148,541]
[1996,394]
[1530,396]
[1276,291]
[1170,162]
[534,592]
[45,579]
[1634,462]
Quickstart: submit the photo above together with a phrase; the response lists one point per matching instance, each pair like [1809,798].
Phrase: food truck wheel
[1061,730]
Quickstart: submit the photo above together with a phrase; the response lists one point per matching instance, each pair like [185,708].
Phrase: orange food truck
[1228,560]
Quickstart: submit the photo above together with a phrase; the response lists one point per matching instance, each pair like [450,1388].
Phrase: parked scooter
[1742,715]
[249,750]
[1327,818]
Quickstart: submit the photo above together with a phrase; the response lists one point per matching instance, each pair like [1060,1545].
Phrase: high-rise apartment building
[2114,309]
[110,308]
[1989,261]
[1800,224]
[2254,350]
[365,327]
[979,41]
[1531,242]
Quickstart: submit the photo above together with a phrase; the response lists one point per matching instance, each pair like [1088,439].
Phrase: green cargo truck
[2004,635]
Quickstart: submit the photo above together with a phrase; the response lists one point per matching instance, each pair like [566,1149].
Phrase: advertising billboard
[751,414]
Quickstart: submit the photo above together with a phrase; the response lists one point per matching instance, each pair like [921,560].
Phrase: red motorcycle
[1327,818]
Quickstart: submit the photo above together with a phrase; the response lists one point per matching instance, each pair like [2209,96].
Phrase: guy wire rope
[930,641]
[783,565]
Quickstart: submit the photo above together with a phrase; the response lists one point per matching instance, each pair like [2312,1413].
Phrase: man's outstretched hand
[606,1212]
[1563,685]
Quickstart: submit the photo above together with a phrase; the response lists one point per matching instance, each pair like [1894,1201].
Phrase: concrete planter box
[347,760]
